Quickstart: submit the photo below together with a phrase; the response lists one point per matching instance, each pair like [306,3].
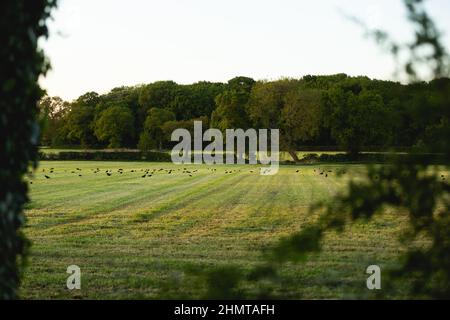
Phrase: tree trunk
[353,152]
[293,154]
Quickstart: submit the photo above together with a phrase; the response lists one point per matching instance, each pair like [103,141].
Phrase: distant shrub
[310,157]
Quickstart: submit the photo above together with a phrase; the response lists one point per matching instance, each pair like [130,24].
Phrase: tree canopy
[348,113]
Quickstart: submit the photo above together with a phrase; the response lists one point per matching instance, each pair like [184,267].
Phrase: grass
[135,237]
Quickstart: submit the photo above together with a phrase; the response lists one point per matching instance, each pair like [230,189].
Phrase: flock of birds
[324,172]
[148,173]
[145,173]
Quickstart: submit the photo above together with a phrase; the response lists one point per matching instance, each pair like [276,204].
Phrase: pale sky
[96,45]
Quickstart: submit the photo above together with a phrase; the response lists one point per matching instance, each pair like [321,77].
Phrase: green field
[134,237]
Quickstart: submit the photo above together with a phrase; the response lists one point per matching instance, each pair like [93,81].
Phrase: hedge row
[151,156]
[154,156]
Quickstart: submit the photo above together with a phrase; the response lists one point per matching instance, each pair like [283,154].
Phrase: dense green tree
[195,100]
[266,101]
[300,118]
[230,112]
[170,126]
[124,97]
[52,115]
[153,135]
[241,83]
[323,82]
[89,99]
[115,125]
[231,105]
[204,94]
[287,105]
[79,126]
[80,120]
[356,117]
[158,94]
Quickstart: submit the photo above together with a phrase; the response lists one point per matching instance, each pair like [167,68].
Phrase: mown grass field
[134,237]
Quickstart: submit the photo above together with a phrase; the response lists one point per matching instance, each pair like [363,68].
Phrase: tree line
[336,111]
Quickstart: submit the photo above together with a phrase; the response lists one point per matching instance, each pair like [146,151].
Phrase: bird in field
[108,174]
[80,175]
[47,177]
[297,171]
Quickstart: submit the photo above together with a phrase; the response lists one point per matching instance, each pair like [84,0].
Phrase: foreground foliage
[22,23]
